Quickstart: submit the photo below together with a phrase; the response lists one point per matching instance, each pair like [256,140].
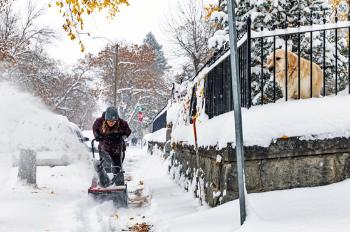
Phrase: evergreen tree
[161,61]
[272,14]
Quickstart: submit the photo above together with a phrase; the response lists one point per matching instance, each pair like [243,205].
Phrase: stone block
[27,166]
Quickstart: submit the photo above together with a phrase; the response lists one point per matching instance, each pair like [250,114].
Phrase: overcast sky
[131,25]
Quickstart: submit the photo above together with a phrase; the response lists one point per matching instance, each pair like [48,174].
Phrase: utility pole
[115,64]
[237,108]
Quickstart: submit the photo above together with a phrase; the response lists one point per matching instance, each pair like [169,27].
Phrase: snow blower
[104,188]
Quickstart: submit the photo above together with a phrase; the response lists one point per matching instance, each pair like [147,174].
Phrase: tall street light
[115,66]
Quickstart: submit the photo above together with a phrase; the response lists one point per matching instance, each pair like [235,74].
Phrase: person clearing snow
[110,131]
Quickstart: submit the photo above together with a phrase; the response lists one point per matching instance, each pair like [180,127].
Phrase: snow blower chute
[104,188]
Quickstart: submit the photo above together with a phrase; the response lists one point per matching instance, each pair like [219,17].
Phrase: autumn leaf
[75,12]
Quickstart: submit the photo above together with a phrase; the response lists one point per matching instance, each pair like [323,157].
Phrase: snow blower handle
[98,138]
[93,148]
[113,136]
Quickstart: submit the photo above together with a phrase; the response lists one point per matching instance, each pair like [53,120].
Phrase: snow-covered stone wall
[286,163]
[290,144]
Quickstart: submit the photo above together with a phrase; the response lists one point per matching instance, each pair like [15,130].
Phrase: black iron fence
[218,85]
[291,63]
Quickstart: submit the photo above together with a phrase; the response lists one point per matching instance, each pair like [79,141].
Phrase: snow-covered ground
[325,117]
[321,209]
[60,201]
[157,136]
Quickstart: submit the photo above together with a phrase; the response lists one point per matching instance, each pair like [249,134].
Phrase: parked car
[59,152]
[88,134]
[79,134]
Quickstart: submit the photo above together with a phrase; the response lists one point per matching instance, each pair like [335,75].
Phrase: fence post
[299,50]
[274,62]
[336,54]
[324,54]
[249,60]
[27,166]
[286,67]
[286,56]
[348,57]
[311,35]
[262,67]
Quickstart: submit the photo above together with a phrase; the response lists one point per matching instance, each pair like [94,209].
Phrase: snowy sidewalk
[321,209]
[61,203]
[168,201]
[50,207]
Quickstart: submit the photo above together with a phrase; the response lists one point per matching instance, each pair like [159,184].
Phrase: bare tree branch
[189,31]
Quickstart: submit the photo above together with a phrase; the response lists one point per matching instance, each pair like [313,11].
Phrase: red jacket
[110,146]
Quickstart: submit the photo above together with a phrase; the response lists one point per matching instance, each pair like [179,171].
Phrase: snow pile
[219,38]
[218,159]
[26,124]
[157,136]
[173,112]
[54,205]
[321,209]
[169,201]
[317,118]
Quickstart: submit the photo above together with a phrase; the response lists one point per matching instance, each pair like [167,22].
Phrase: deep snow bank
[26,123]
[321,209]
[157,136]
[326,117]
